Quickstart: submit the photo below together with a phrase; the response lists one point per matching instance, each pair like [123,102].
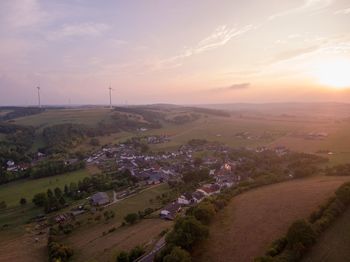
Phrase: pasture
[12,192]
[89,242]
[333,245]
[87,116]
[252,220]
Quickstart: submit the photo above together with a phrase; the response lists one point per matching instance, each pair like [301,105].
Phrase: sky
[174,51]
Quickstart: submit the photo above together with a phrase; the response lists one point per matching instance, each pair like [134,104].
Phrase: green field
[62,116]
[12,192]
[333,246]
[88,240]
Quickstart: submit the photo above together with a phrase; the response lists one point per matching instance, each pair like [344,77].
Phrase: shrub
[204,212]
[177,254]
[187,231]
[300,235]
[131,218]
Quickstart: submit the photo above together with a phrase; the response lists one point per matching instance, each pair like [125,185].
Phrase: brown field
[253,220]
[19,247]
[96,247]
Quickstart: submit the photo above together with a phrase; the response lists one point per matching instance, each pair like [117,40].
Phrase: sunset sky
[174,51]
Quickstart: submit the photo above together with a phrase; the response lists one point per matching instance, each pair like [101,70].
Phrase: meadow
[87,116]
[12,192]
[89,242]
[252,220]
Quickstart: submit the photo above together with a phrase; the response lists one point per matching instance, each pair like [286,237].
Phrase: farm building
[169,212]
[99,199]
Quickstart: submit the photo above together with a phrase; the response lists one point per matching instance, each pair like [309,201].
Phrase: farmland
[254,219]
[89,242]
[12,192]
[62,116]
[333,245]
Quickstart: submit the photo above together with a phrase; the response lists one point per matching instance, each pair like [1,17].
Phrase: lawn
[252,220]
[88,240]
[27,188]
[333,245]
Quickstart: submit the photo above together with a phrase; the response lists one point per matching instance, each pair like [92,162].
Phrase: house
[198,196]
[170,211]
[209,189]
[183,200]
[99,199]
[10,163]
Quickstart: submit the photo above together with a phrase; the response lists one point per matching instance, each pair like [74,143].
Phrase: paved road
[150,256]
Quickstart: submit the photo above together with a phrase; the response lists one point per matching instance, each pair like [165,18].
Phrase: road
[150,256]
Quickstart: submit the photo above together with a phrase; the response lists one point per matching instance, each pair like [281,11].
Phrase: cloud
[220,37]
[25,13]
[345,11]
[307,6]
[233,87]
[293,53]
[77,30]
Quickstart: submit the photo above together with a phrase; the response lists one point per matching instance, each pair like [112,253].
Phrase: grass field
[19,247]
[280,132]
[61,116]
[11,193]
[106,248]
[333,246]
[223,129]
[252,220]
[88,240]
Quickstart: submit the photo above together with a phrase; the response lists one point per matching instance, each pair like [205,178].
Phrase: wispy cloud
[294,53]
[24,13]
[233,87]
[307,6]
[220,37]
[77,30]
[345,11]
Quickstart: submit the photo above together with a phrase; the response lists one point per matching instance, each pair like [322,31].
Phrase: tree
[58,192]
[66,190]
[49,193]
[123,257]
[131,218]
[23,201]
[204,212]
[3,205]
[39,199]
[300,235]
[136,252]
[177,254]
[187,231]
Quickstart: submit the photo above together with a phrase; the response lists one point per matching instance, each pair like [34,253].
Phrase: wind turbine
[39,102]
[110,96]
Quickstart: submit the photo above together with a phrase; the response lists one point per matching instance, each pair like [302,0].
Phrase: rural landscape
[175,131]
[97,184]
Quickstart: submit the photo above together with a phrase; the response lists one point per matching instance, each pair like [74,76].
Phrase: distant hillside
[331,110]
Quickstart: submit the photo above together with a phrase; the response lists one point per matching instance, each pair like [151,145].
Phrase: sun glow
[335,73]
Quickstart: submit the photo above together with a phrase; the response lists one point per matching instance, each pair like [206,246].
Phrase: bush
[59,252]
[204,212]
[187,231]
[136,252]
[123,257]
[177,254]
[23,201]
[131,218]
[300,235]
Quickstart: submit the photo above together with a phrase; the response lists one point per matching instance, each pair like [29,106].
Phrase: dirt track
[254,219]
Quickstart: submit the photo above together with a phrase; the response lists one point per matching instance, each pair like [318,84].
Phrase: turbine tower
[110,96]
[39,102]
